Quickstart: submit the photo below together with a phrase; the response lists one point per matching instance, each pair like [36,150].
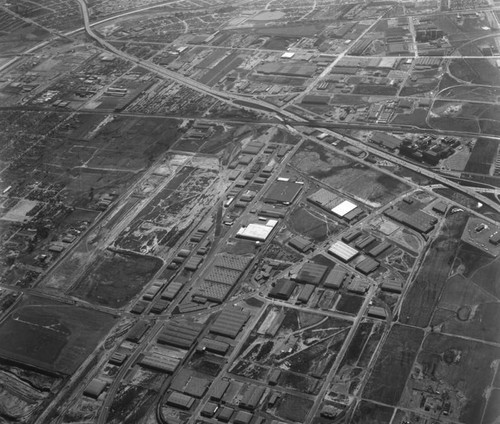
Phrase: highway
[282,114]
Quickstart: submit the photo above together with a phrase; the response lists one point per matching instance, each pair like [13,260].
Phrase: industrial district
[265,212]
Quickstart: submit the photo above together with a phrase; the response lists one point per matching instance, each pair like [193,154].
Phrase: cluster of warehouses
[312,276]
[337,205]
[221,277]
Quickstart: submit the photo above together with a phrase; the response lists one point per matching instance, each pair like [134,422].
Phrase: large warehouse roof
[344,208]
[342,251]
[230,322]
[256,232]
[311,273]
[282,192]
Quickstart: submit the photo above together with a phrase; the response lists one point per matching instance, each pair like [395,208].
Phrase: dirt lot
[115,278]
[463,367]
[343,174]
[52,336]
[426,289]
[388,378]
[311,224]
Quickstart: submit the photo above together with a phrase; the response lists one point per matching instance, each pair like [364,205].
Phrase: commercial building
[218,390]
[335,278]
[230,322]
[256,232]
[385,140]
[379,249]
[311,273]
[284,192]
[343,208]
[343,251]
[377,312]
[306,293]
[179,400]
[252,397]
[301,244]
[367,265]
[283,289]
[95,388]
[213,346]
[180,334]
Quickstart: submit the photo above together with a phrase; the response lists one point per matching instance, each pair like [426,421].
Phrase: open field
[426,289]
[464,370]
[52,336]
[395,361]
[115,278]
[311,224]
[345,175]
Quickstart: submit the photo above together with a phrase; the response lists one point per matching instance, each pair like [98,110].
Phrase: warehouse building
[137,332]
[283,289]
[237,262]
[377,312]
[418,220]
[225,414]
[274,376]
[343,208]
[342,251]
[179,400]
[230,322]
[161,361]
[95,388]
[311,273]
[306,293]
[196,387]
[392,286]
[180,334]
[242,417]
[252,397]
[209,410]
[172,290]
[387,141]
[301,244]
[335,278]
[379,249]
[211,291]
[351,236]
[367,265]
[358,285]
[284,192]
[218,390]
[213,346]
[257,232]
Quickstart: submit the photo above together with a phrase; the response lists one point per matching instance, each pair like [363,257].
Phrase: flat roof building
[342,251]
[344,208]
[179,400]
[256,232]
[311,273]
[282,290]
[335,278]
[284,192]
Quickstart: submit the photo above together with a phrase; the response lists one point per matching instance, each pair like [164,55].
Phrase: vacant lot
[52,336]
[346,175]
[482,157]
[465,366]
[116,278]
[307,223]
[388,378]
[368,413]
[426,289]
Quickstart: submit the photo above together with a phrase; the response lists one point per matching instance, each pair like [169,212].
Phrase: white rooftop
[342,251]
[258,232]
[344,208]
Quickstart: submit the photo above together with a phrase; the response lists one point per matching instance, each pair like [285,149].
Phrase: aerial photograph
[250,212]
